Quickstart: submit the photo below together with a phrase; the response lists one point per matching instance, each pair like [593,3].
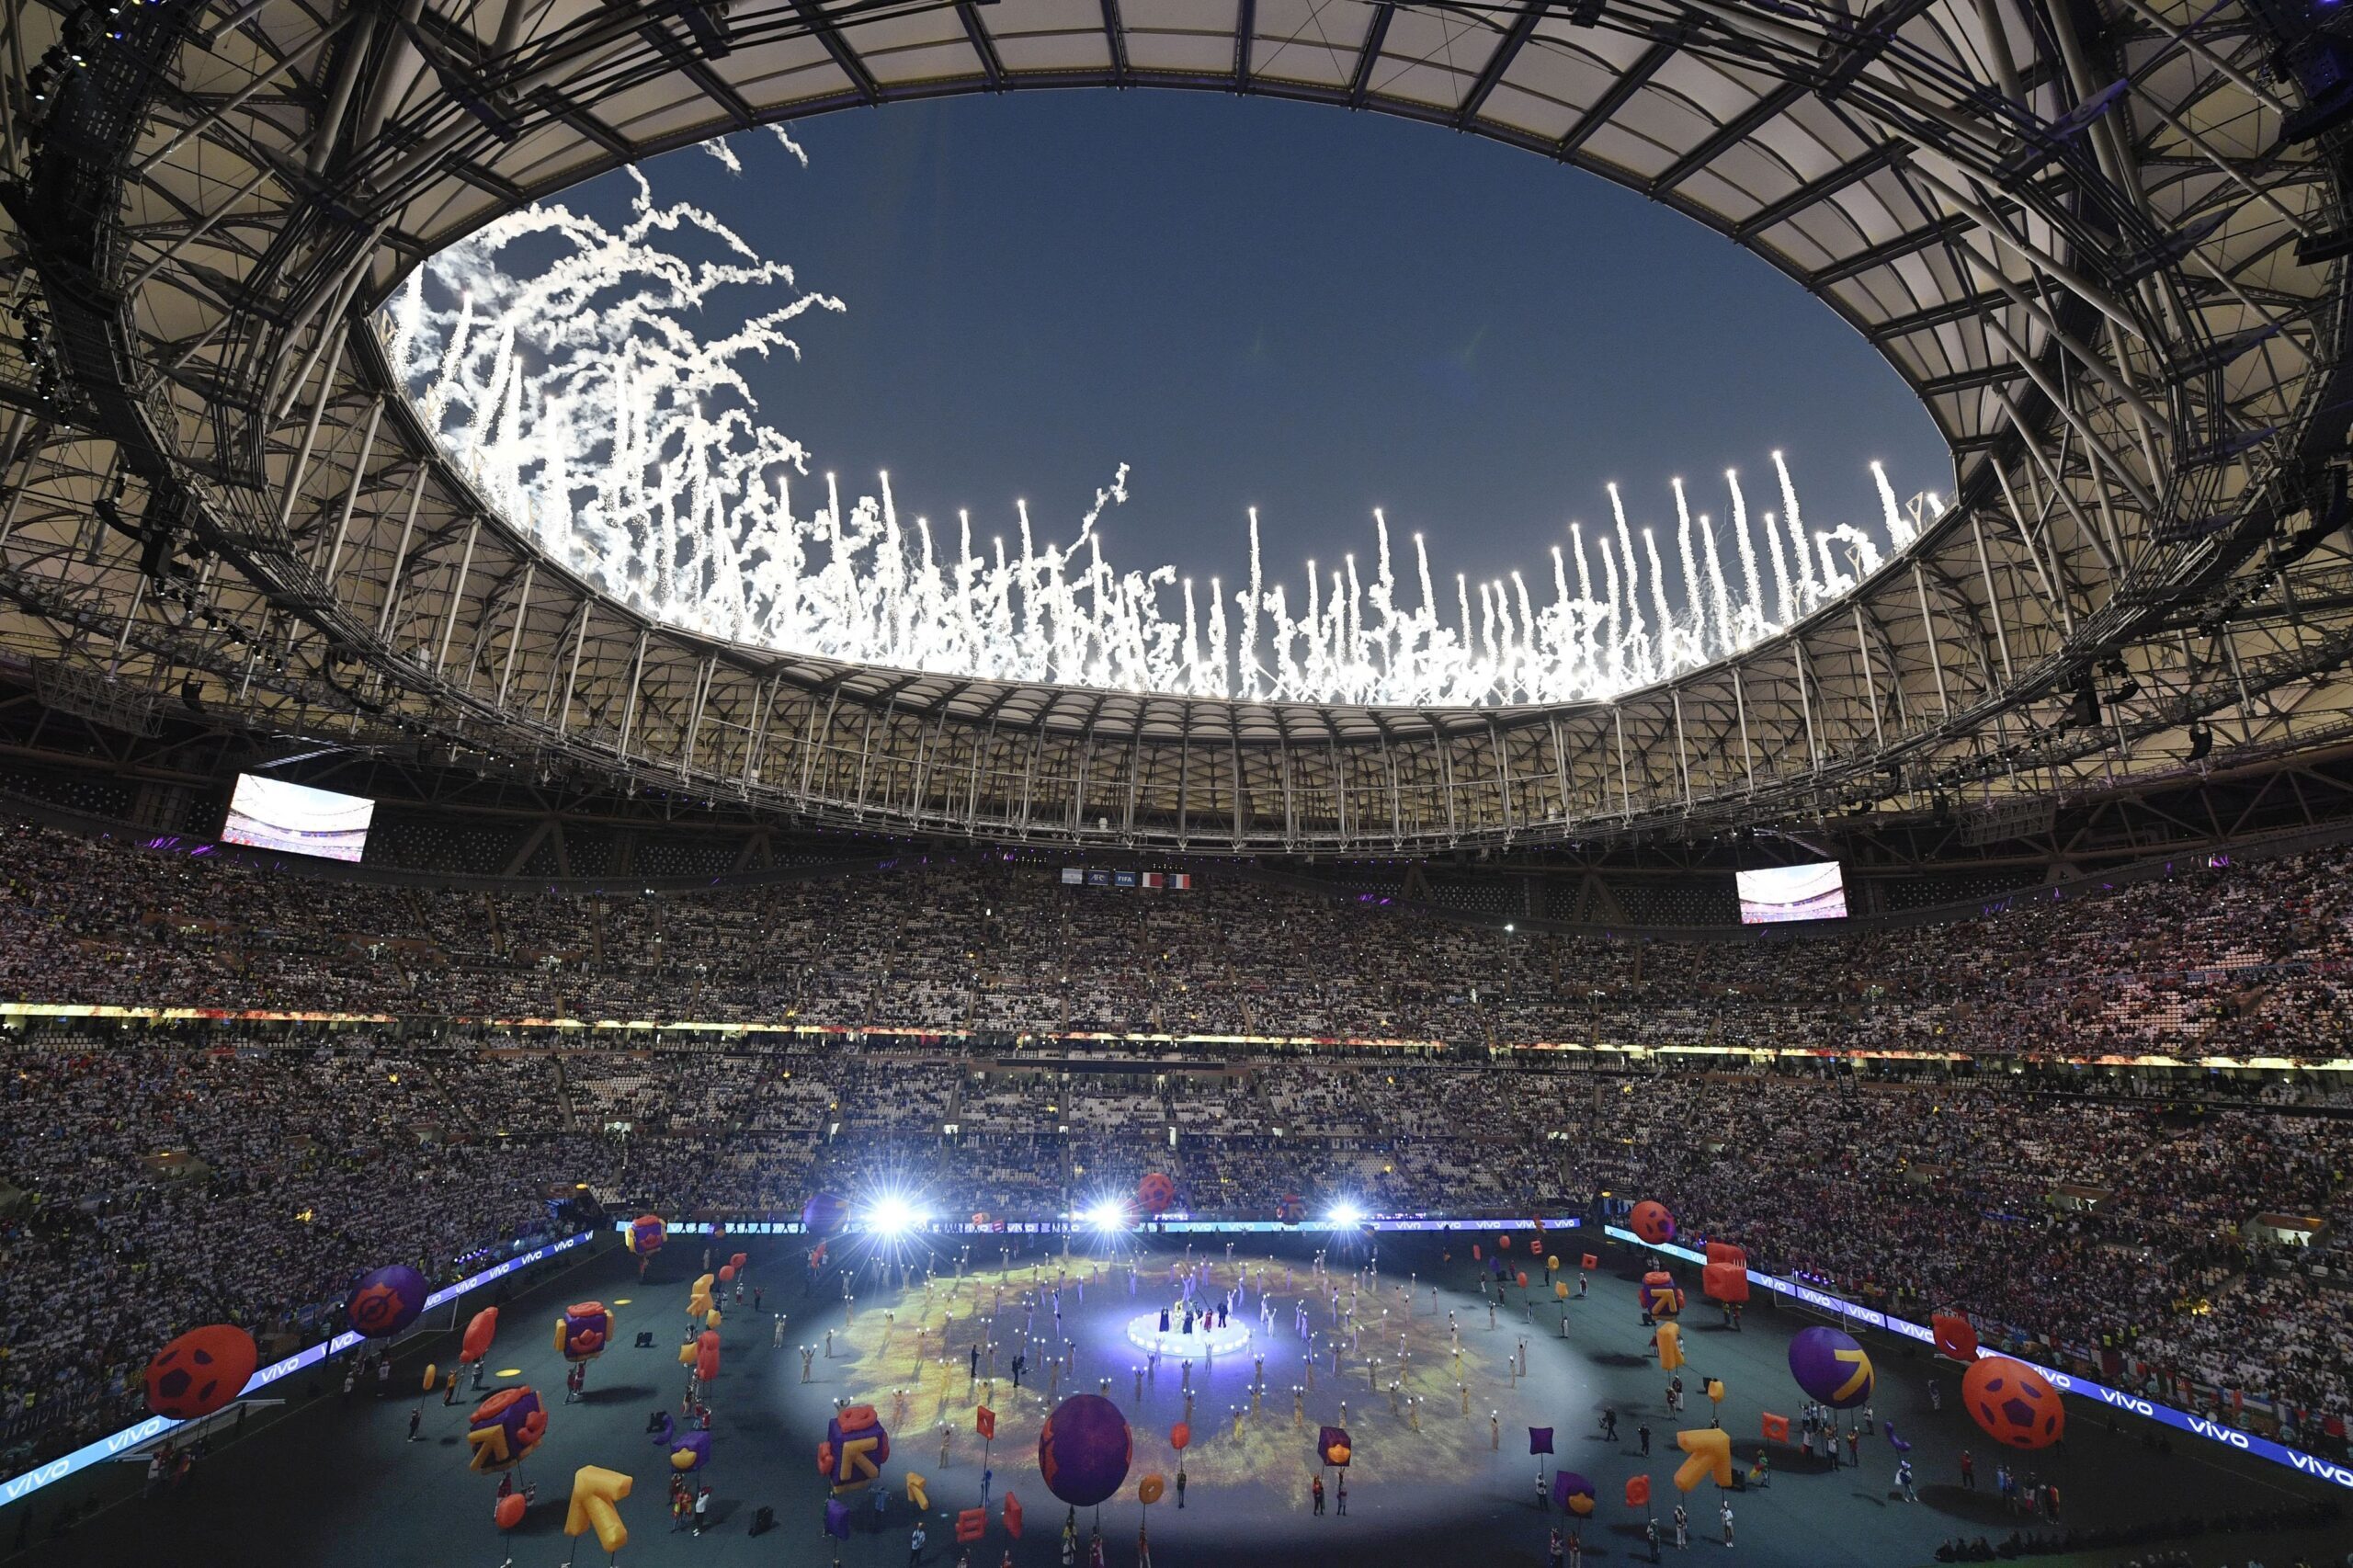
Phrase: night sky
[1256,302]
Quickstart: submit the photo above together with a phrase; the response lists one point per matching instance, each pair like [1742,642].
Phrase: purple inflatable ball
[1831,1367]
[385,1300]
[1084,1450]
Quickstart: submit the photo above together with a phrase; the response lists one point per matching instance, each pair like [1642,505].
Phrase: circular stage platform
[1146,1334]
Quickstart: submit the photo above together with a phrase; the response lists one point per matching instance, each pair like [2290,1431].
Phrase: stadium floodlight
[1347,1216]
[893,1216]
[1110,1214]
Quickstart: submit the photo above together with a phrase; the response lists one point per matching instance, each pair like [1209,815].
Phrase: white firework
[568,368]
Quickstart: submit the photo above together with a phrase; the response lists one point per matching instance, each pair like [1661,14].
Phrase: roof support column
[1559,765]
[399,553]
[820,733]
[636,678]
[572,677]
[1291,805]
[762,711]
[980,767]
[1747,750]
[515,638]
[1870,686]
[694,717]
[1339,788]
[351,496]
[925,740]
[129,618]
[1445,781]
[1233,758]
[1397,794]
[1184,790]
[302,464]
[1136,781]
[457,595]
[1682,760]
[1993,599]
[1503,776]
[865,761]
[1929,633]
[1625,797]
[1805,702]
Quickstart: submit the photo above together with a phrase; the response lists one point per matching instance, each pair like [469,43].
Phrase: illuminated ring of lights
[1203,1344]
[191,343]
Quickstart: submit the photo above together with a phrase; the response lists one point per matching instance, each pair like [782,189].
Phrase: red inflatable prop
[1652,1223]
[2013,1403]
[480,1331]
[200,1371]
[1724,1276]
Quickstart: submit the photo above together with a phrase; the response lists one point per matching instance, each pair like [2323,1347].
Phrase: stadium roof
[2076,234]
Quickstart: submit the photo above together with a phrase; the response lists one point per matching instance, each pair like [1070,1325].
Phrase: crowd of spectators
[2244,961]
[153,1178]
[144,1191]
[150,1180]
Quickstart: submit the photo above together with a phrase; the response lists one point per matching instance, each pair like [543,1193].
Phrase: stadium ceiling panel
[2103,241]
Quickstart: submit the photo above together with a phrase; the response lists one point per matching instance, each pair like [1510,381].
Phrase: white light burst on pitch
[570,369]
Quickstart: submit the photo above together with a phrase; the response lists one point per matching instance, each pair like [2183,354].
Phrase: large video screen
[270,814]
[1792,893]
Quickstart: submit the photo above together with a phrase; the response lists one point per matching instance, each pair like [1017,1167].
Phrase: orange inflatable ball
[1652,1223]
[1522,1278]
[726,1274]
[200,1371]
[510,1510]
[479,1332]
[1503,1243]
[1178,1436]
[2013,1403]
